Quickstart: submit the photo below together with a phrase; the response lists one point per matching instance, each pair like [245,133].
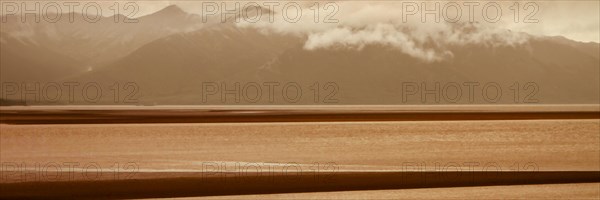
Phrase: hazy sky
[577,20]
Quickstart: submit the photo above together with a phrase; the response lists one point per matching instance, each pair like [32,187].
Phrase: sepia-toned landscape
[300,100]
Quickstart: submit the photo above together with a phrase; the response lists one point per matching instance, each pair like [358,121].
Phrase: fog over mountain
[170,54]
[85,44]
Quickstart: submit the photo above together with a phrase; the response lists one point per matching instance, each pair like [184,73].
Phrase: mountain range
[170,55]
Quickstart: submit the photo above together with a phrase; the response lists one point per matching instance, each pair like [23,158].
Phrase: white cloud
[363,24]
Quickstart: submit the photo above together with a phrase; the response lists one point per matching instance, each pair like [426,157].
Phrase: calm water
[363,146]
[476,145]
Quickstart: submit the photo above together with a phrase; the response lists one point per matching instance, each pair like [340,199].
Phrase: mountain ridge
[170,66]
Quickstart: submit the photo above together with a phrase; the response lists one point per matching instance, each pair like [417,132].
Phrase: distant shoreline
[233,114]
[351,107]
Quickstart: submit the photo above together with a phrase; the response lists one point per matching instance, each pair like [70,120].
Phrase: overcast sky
[577,20]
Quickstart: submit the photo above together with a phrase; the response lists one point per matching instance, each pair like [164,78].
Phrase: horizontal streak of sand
[331,107]
[194,184]
[117,116]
